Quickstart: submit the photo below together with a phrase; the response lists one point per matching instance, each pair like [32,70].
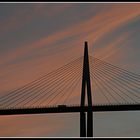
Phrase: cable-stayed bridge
[64,90]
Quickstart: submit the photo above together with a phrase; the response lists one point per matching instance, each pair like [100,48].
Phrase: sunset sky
[36,38]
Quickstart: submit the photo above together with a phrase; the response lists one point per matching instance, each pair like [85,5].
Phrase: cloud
[92,30]
[22,126]
[27,14]
[32,59]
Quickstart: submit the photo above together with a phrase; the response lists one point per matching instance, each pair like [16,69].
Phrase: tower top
[86,43]
[86,48]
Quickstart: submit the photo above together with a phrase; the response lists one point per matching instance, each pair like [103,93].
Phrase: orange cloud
[112,48]
[22,126]
[63,46]
[92,30]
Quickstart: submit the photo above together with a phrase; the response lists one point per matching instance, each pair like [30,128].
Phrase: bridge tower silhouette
[86,119]
[119,88]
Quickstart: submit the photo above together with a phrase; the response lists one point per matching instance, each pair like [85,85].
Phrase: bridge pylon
[86,120]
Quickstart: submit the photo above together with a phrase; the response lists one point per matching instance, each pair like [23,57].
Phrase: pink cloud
[92,30]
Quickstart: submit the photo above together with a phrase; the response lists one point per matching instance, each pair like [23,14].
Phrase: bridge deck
[69,109]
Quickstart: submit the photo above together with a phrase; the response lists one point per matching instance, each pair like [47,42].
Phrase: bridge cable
[118,80]
[105,88]
[113,84]
[29,85]
[100,89]
[63,73]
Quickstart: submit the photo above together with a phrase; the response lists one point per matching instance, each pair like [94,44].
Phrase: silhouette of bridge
[108,88]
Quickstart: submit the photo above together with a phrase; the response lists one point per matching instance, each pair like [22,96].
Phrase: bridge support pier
[89,124]
[86,131]
[82,124]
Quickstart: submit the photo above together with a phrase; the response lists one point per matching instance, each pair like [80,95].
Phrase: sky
[36,38]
